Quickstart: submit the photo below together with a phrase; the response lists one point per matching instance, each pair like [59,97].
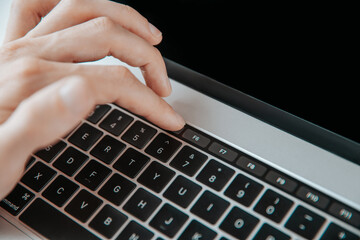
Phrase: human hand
[44,94]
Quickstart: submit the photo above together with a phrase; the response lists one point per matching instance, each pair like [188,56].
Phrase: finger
[108,83]
[25,15]
[82,43]
[117,84]
[71,13]
[38,121]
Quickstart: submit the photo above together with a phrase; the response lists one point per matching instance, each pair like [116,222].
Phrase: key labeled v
[83,205]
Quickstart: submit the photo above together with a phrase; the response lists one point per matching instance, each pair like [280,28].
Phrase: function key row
[268,174]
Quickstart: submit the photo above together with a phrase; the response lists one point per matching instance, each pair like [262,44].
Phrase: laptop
[266,152]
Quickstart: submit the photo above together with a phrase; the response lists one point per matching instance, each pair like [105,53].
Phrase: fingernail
[156,32]
[71,95]
[180,119]
[168,84]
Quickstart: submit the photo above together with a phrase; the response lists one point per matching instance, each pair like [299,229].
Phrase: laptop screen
[296,61]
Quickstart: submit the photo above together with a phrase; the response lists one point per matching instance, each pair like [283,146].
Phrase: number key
[243,190]
[215,175]
[188,160]
[273,206]
[163,147]
[98,113]
[139,134]
[116,122]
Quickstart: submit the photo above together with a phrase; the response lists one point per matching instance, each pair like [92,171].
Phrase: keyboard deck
[117,176]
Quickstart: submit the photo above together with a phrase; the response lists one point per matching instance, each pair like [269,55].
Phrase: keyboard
[117,176]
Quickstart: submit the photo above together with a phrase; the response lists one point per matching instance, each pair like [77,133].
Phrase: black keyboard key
[281,181]
[117,189]
[131,162]
[210,207]
[251,166]
[269,232]
[53,224]
[182,191]
[196,138]
[50,152]
[134,231]
[188,160]
[29,162]
[92,175]
[38,176]
[107,149]
[163,147]
[239,223]
[85,136]
[98,113]
[83,205]
[16,200]
[168,220]
[215,175]
[273,206]
[243,190]
[223,152]
[139,134]
[60,190]
[70,161]
[345,214]
[313,197]
[156,176]
[108,221]
[116,122]
[335,232]
[197,231]
[142,204]
[305,222]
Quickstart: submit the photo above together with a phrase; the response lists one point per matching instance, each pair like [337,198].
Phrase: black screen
[294,58]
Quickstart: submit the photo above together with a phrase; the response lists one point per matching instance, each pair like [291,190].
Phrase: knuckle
[157,53]
[26,71]
[28,126]
[15,4]
[122,72]
[25,5]
[103,23]
[73,3]
[13,49]
[86,86]
[128,10]
[28,67]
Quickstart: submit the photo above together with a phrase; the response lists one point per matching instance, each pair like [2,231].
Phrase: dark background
[299,58]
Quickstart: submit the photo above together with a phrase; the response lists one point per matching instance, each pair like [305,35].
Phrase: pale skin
[44,93]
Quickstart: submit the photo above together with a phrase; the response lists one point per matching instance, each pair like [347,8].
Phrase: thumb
[39,120]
